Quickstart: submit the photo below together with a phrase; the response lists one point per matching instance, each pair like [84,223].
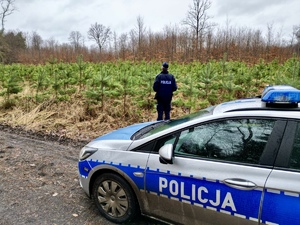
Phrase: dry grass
[73,119]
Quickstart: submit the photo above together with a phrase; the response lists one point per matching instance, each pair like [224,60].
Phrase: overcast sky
[57,18]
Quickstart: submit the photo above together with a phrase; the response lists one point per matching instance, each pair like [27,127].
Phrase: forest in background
[174,44]
[195,39]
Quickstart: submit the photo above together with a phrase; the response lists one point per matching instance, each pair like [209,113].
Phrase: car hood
[118,139]
[124,133]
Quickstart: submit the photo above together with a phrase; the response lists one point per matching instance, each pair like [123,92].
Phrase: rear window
[295,157]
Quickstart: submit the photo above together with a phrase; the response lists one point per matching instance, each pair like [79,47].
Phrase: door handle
[240,183]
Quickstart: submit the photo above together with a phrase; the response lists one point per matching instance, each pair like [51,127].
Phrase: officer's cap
[165,65]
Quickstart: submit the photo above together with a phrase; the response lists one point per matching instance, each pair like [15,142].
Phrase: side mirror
[166,154]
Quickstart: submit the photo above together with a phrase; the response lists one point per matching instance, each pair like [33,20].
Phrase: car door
[218,172]
[281,204]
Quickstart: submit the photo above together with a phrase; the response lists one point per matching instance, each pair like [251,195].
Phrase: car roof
[251,104]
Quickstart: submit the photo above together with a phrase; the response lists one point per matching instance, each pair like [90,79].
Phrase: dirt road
[39,182]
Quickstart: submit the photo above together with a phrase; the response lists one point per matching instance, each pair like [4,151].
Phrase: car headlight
[86,152]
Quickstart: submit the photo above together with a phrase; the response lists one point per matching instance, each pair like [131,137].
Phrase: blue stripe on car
[276,204]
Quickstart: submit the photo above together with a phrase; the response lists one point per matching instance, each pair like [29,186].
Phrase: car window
[166,140]
[148,147]
[238,140]
[295,157]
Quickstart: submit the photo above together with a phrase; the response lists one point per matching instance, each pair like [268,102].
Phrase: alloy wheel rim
[112,198]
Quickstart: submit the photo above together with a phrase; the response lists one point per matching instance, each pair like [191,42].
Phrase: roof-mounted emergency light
[281,94]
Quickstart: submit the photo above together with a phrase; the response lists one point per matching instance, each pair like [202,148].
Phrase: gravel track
[39,181]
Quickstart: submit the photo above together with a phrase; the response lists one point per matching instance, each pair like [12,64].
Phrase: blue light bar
[277,87]
[285,96]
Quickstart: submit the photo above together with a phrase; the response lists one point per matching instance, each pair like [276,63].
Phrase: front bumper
[84,168]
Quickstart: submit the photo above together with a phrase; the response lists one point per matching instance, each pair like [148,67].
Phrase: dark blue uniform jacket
[164,86]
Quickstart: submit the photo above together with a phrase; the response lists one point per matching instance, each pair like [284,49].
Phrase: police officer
[164,86]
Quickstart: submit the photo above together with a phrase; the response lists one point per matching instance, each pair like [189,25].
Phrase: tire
[114,198]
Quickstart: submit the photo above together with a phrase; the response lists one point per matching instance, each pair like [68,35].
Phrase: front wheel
[115,198]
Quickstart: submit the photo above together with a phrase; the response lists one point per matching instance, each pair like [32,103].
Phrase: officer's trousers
[163,108]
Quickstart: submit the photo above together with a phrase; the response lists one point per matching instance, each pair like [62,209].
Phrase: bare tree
[170,38]
[36,44]
[7,8]
[296,32]
[270,36]
[140,32]
[133,40]
[100,34]
[76,39]
[51,44]
[36,41]
[115,44]
[123,39]
[197,19]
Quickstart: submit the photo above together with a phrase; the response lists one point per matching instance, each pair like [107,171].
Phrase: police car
[234,163]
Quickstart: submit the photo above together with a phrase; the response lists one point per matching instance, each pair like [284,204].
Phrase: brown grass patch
[75,118]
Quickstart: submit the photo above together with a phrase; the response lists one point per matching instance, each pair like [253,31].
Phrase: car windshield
[157,127]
